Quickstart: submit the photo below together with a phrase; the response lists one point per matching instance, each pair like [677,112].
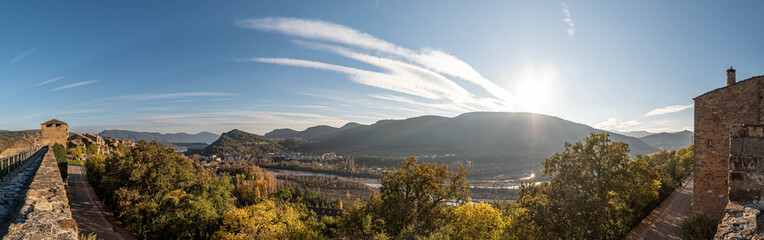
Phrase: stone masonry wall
[45,213]
[715,113]
[54,134]
[746,184]
[746,165]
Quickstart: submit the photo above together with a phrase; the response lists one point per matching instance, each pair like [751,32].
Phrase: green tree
[412,202]
[92,149]
[591,192]
[161,194]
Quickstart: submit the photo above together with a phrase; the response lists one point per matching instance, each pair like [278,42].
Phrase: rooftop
[53,121]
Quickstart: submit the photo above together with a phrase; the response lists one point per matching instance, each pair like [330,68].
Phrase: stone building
[716,112]
[54,131]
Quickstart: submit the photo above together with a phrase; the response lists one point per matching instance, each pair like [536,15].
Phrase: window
[49,125]
[58,125]
[709,143]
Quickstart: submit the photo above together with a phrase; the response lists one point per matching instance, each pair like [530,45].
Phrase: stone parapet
[740,222]
[45,213]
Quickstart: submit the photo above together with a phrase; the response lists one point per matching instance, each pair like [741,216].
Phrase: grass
[78,162]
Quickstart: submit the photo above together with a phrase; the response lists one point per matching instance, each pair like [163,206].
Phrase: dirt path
[89,214]
[666,220]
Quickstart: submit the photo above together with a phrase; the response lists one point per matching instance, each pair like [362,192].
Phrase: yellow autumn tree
[477,221]
[267,220]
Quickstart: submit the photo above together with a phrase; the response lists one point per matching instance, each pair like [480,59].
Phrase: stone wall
[55,133]
[740,222]
[746,184]
[45,213]
[746,169]
[715,113]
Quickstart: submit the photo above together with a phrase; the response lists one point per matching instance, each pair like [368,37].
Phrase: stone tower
[54,131]
[736,104]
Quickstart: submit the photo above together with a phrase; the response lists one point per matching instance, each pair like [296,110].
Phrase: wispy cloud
[73,85]
[49,81]
[669,109]
[617,124]
[426,73]
[155,96]
[21,56]
[568,20]
[621,125]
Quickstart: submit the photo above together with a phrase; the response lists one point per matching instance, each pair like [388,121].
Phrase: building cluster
[56,131]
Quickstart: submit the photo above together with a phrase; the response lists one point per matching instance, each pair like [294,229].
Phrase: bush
[699,228]
[60,152]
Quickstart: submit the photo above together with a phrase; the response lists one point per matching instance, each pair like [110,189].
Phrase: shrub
[699,228]
[60,152]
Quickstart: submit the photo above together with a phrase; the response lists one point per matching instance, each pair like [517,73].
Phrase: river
[374,183]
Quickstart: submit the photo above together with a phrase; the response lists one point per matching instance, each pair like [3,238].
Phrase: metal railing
[11,163]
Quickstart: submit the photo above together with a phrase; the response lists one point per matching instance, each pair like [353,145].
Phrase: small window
[709,143]
[49,125]
[58,125]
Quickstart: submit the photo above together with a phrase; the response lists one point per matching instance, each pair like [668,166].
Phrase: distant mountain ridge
[469,132]
[202,137]
[316,133]
[669,141]
[636,134]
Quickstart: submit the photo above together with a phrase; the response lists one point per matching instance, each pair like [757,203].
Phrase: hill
[478,132]
[636,134]
[6,135]
[317,133]
[669,141]
[242,143]
[202,137]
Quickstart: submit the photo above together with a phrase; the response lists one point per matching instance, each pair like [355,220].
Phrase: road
[666,220]
[91,217]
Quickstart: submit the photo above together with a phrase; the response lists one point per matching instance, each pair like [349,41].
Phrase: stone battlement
[45,213]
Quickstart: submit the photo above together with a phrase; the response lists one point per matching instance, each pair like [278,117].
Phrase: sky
[182,66]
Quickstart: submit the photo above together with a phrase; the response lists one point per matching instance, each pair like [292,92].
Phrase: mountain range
[202,137]
[669,141]
[477,132]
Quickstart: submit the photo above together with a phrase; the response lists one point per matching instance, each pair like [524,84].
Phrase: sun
[535,89]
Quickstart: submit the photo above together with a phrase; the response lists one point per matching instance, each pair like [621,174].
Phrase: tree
[593,192]
[254,185]
[477,221]
[159,193]
[411,202]
[268,220]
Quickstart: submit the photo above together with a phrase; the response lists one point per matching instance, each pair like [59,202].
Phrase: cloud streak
[427,73]
[72,85]
[148,96]
[669,109]
[49,81]
[568,20]
[21,56]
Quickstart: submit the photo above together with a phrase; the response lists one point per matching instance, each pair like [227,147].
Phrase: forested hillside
[477,132]
[202,137]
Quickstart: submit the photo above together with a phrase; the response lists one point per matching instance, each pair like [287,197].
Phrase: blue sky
[178,66]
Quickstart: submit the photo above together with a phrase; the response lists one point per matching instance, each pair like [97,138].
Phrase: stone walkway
[13,192]
[90,215]
[665,221]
